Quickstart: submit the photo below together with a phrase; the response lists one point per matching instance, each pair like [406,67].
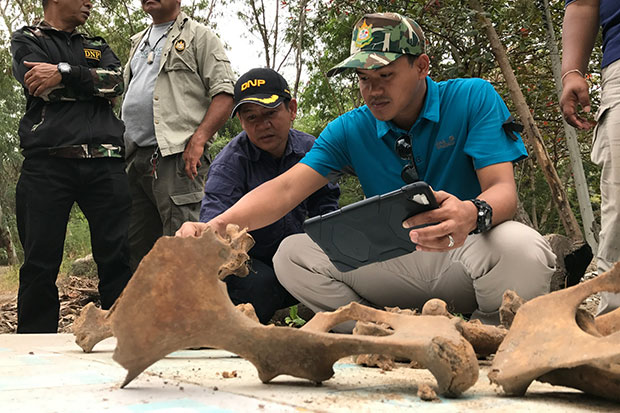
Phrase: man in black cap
[266,148]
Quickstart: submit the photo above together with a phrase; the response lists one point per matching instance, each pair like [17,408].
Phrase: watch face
[486,216]
[485,213]
[64,68]
[487,220]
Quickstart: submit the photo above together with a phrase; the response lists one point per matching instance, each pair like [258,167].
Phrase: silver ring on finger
[451,243]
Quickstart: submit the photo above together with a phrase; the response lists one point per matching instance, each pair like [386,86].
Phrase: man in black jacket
[72,143]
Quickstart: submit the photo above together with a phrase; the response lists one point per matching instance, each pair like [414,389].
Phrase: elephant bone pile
[552,340]
[176,300]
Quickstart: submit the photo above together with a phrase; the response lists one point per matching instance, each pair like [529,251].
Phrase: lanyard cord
[151,55]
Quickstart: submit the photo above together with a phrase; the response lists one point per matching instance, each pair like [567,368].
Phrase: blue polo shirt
[241,166]
[458,131]
[609,17]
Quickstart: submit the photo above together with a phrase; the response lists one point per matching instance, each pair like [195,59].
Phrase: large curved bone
[176,300]
[546,343]
[95,325]
[434,342]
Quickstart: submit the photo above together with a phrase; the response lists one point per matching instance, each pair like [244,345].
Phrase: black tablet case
[370,230]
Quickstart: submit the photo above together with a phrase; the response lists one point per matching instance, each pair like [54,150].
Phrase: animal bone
[94,324]
[608,323]
[510,304]
[484,338]
[432,341]
[546,343]
[381,361]
[176,300]
[91,327]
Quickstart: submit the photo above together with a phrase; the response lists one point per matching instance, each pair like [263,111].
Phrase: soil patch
[74,293]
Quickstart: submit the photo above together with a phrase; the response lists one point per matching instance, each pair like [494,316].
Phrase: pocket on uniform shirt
[222,68]
[185,207]
[221,57]
[187,198]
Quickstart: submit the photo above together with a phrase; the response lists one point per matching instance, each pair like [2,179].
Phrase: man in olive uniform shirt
[179,93]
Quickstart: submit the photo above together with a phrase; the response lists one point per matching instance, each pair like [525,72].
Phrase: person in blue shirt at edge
[459,146]
[266,148]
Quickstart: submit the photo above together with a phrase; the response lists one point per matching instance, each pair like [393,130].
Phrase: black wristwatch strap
[484,218]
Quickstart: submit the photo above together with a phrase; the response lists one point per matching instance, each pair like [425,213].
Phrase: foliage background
[455,45]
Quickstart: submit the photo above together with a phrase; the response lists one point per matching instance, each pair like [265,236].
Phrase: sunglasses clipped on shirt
[403,149]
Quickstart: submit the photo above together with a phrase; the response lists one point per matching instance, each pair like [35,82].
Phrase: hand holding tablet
[370,230]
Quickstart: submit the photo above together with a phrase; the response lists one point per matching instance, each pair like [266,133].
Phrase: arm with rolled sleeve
[218,79]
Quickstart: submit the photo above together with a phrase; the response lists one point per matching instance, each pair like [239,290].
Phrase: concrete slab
[50,373]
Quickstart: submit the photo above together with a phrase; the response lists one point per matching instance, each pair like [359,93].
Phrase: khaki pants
[606,154]
[470,279]
[160,206]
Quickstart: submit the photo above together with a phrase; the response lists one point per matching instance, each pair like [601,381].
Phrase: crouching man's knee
[517,258]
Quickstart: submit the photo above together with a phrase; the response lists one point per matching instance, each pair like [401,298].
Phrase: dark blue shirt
[609,17]
[610,22]
[241,166]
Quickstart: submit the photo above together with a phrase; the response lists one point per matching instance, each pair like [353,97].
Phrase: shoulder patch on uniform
[92,54]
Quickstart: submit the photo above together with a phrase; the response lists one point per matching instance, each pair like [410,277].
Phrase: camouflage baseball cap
[379,39]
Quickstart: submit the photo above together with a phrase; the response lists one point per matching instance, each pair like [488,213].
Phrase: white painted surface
[50,373]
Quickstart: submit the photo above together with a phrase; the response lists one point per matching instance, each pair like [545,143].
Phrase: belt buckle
[87,151]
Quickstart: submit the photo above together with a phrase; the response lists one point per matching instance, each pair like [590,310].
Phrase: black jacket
[79,111]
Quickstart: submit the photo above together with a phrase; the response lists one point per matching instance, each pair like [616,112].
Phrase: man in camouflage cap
[449,134]
[72,143]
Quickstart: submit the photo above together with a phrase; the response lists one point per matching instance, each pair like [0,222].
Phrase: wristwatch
[65,69]
[484,217]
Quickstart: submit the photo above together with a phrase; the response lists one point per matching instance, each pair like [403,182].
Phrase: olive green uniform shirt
[192,70]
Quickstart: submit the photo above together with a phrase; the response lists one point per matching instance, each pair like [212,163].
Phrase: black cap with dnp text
[261,86]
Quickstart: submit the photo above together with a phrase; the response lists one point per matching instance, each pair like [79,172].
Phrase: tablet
[370,230]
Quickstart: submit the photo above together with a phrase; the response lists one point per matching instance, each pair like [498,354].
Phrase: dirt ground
[74,292]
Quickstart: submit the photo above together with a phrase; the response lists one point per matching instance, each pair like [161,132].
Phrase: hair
[411,58]
[44,2]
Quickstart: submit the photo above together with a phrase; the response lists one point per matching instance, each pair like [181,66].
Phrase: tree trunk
[581,186]
[258,15]
[300,36]
[531,131]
